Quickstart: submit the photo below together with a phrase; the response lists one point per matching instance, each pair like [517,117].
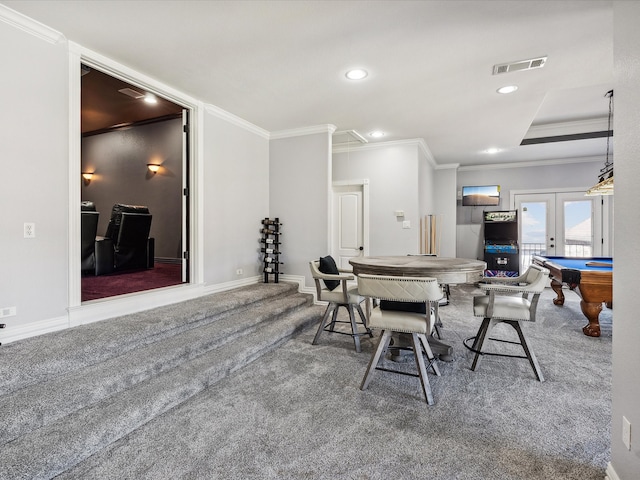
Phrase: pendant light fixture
[605,178]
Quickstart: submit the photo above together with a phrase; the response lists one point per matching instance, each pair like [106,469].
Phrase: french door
[562,223]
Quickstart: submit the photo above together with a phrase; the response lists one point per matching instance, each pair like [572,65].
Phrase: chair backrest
[315,269]
[113,229]
[134,230]
[536,278]
[405,289]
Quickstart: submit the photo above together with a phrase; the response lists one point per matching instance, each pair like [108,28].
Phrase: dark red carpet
[163,275]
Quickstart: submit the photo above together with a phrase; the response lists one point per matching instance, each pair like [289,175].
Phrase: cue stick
[599,264]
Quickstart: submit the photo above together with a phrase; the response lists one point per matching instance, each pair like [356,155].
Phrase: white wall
[394,183]
[299,194]
[34,156]
[626,327]
[236,198]
[34,180]
[470,236]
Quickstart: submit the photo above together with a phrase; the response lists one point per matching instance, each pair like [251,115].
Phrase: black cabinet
[501,243]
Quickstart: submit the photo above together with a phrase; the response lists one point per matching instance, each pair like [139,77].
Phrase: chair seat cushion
[504,307]
[337,297]
[399,321]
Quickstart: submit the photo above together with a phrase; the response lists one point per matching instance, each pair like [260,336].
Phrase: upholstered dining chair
[510,300]
[418,325]
[339,293]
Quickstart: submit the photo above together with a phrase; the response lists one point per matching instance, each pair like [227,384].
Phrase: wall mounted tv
[480,196]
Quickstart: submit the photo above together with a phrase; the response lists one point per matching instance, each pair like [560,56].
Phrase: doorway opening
[134,187]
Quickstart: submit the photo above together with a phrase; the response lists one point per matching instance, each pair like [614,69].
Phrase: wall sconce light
[153,168]
[87,177]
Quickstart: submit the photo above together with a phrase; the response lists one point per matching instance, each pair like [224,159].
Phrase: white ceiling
[280,64]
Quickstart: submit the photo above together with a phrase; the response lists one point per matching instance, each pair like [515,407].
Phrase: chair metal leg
[354,327]
[365,321]
[481,336]
[331,307]
[430,356]
[335,317]
[527,350]
[383,344]
[422,371]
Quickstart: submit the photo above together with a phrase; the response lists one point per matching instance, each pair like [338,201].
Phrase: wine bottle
[272,251]
[268,240]
[270,232]
[269,270]
[268,221]
[271,260]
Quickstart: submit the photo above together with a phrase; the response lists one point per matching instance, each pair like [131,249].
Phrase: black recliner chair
[88,231]
[126,244]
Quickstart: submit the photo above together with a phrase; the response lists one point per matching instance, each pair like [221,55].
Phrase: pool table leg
[592,312]
[557,287]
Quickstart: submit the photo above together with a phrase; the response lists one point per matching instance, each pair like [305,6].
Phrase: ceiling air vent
[131,92]
[520,65]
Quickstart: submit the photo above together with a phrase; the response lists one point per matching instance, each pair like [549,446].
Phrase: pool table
[591,278]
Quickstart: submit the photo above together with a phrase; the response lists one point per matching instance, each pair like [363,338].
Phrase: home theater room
[283,239]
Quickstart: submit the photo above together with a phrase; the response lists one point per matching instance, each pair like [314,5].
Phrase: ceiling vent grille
[131,92]
[520,65]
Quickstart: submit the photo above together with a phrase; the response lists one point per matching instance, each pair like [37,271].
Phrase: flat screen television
[480,196]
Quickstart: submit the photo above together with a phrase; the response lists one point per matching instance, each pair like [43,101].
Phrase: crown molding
[567,128]
[536,163]
[299,132]
[447,166]
[235,120]
[30,25]
[414,142]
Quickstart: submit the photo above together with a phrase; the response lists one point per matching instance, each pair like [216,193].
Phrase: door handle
[361,248]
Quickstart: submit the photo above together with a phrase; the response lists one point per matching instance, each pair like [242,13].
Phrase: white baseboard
[610,473]
[33,329]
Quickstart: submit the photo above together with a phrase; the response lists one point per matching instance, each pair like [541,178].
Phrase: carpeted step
[35,359]
[67,440]
[37,405]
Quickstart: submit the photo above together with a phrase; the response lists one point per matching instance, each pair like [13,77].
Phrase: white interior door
[348,224]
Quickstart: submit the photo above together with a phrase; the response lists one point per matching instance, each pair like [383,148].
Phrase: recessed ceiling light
[376,134]
[507,89]
[492,151]
[356,74]
[150,98]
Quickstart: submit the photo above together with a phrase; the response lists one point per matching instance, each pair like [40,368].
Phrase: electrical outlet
[29,230]
[406,224]
[626,433]
[239,271]
[7,312]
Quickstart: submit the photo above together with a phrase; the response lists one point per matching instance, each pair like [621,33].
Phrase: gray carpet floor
[298,413]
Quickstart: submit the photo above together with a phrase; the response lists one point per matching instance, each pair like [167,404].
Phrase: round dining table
[447,271]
